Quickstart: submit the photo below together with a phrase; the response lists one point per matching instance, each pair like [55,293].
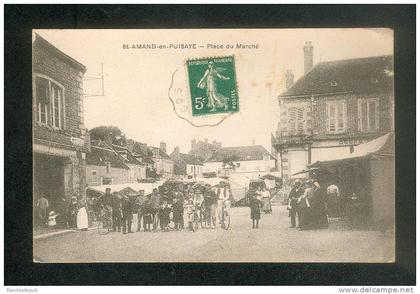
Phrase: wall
[49,64]
[317,120]
[57,142]
[164,166]
[118,175]
[245,166]
[382,178]
[136,172]
[198,170]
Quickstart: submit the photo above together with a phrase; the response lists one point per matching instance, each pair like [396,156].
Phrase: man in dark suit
[116,212]
[294,197]
[127,214]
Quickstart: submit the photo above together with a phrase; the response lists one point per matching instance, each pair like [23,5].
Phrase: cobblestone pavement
[274,241]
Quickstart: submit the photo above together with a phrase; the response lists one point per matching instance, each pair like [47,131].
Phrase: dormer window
[155,153]
[334,84]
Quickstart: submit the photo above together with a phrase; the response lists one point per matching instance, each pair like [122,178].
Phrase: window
[94,177]
[296,119]
[49,102]
[368,112]
[266,157]
[108,167]
[337,116]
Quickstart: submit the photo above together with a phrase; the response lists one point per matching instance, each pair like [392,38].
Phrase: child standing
[190,207]
[255,205]
[178,210]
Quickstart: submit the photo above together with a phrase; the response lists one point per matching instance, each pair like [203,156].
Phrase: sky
[136,81]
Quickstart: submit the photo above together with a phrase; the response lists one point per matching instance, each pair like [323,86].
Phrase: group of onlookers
[307,202]
[165,205]
[65,214]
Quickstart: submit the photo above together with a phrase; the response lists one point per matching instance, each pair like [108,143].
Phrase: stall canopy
[383,145]
[147,187]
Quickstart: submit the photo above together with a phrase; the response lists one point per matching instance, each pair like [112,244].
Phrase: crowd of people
[164,206]
[63,214]
[307,202]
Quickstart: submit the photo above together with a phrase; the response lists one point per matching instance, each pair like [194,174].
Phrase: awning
[306,170]
[384,143]
[147,187]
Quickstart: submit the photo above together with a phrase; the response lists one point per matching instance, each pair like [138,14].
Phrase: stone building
[60,140]
[105,167]
[335,106]
[163,164]
[204,149]
[254,159]
[187,164]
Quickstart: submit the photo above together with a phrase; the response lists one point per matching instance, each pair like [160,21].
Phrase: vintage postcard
[213,145]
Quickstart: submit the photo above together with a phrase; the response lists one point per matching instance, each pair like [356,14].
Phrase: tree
[103,132]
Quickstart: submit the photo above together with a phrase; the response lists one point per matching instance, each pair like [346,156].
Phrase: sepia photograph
[213,145]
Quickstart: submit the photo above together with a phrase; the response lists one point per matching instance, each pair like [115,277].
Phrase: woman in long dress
[208,81]
[266,200]
[82,218]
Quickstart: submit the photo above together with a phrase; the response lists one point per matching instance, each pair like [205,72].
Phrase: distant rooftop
[239,153]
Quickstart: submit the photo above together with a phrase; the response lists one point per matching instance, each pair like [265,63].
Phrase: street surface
[274,241]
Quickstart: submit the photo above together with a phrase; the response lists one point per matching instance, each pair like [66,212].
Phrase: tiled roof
[360,75]
[40,41]
[145,153]
[99,155]
[162,153]
[130,158]
[240,153]
[190,159]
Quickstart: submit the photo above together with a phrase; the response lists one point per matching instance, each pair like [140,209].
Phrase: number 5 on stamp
[213,86]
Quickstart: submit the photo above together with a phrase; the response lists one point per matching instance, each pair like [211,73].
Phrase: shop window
[337,117]
[49,102]
[368,113]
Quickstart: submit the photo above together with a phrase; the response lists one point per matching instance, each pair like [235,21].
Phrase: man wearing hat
[294,197]
[141,208]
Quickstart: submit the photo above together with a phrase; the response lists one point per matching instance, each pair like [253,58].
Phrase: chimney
[289,79]
[308,56]
[176,150]
[206,140]
[253,141]
[163,146]
[193,144]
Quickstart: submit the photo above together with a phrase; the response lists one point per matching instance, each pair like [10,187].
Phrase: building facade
[163,164]
[188,165]
[241,159]
[335,106]
[137,169]
[108,163]
[105,167]
[60,140]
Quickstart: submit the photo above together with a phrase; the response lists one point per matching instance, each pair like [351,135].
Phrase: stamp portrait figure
[208,81]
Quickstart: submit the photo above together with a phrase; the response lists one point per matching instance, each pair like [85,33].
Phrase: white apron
[82,219]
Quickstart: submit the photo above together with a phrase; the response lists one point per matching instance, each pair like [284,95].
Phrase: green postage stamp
[213,87]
